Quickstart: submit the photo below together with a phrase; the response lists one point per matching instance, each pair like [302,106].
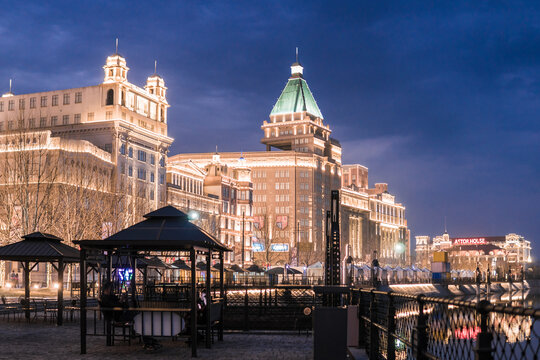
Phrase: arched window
[110,97]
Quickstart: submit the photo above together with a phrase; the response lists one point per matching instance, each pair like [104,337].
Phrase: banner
[258,222]
[258,247]
[282,221]
[279,247]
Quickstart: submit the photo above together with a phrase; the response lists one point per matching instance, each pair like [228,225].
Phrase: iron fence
[398,326]
[269,308]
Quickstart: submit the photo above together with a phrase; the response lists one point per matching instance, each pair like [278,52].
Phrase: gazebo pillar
[208,300]
[221,295]
[59,317]
[193,303]
[26,268]
[82,268]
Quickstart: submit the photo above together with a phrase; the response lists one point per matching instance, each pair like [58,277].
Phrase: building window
[123,149]
[108,115]
[54,120]
[110,97]
[130,152]
[42,121]
[151,194]
[21,124]
[1,126]
[21,104]
[10,125]
[78,97]
[152,177]
[108,148]
[162,161]
[32,103]
[1,106]
[65,120]
[90,116]
[130,170]
[66,99]
[43,101]
[54,100]
[141,174]
[161,179]
[141,155]
[77,118]
[31,123]
[152,159]
[11,105]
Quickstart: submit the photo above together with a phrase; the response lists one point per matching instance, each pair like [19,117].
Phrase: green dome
[296,97]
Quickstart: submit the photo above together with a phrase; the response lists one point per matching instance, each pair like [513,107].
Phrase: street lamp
[193,215]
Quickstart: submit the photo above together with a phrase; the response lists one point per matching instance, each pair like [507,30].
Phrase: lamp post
[298,243]
[243,241]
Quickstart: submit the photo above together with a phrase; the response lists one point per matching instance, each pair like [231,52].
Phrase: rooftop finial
[10,85]
[116,46]
[216,149]
[445,230]
[155,67]
[297,54]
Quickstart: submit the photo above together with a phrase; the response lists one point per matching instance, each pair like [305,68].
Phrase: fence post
[420,343]
[246,309]
[390,341]
[361,325]
[483,349]
[373,330]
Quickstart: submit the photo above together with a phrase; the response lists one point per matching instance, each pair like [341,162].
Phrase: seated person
[109,299]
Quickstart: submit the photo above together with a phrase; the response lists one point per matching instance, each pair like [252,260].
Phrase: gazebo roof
[39,247]
[164,229]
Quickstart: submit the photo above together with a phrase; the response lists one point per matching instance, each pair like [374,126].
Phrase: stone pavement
[45,341]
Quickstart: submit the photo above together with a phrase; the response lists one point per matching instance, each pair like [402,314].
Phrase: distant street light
[193,215]
[399,248]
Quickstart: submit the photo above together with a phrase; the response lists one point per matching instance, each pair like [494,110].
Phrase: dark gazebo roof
[255,268]
[237,268]
[39,247]
[164,229]
[279,271]
[181,265]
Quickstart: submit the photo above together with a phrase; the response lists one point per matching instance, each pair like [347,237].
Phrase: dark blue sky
[441,101]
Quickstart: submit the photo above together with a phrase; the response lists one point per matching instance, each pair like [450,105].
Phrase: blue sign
[279,247]
[258,247]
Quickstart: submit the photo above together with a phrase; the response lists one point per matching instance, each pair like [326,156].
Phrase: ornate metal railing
[398,326]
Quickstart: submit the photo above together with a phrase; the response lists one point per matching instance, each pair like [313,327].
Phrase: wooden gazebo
[40,247]
[166,230]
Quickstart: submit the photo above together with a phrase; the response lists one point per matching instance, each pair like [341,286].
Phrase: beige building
[291,189]
[373,222]
[501,254]
[98,151]
[124,120]
[219,199]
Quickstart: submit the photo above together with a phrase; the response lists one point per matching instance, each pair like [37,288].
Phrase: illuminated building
[372,220]
[109,138]
[291,188]
[124,120]
[218,198]
[502,254]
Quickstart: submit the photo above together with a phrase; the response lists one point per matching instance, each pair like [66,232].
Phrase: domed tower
[155,85]
[296,122]
[115,69]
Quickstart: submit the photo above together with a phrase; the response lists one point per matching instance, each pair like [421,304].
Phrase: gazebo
[40,247]
[166,230]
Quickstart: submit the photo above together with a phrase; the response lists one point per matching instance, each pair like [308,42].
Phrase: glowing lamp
[399,248]
[56,285]
[193,215]
[36,286]
[8,285]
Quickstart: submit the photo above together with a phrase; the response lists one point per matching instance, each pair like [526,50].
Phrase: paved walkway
[43,341]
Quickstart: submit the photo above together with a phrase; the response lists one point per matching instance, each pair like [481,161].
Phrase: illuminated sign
[470,241]
[279,247]
[258,247]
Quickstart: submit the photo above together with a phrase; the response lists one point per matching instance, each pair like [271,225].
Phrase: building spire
[445,230]
[10,85]
[155,67]
[297,54]
[116,52]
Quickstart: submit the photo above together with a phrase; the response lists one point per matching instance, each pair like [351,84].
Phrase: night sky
[440,101]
